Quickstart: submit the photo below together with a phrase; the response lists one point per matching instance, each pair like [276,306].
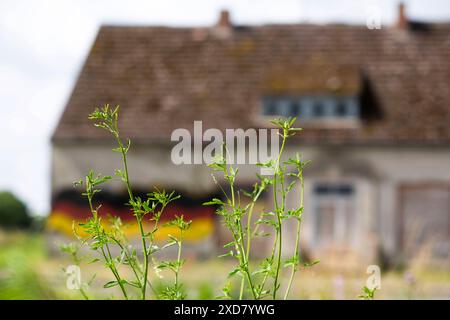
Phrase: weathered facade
[374,105]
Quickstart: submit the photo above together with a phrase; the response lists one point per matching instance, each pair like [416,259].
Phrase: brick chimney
[223,28]
[224,19]
[402,19]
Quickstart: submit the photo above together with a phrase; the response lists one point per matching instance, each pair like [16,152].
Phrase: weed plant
[259,281]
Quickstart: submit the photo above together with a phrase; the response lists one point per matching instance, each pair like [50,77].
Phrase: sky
[43,45]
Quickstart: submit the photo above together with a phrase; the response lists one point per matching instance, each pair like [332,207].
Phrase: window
[334,205]
[341,109]
[269,107]
[294,108]
[318,109]
[312,107]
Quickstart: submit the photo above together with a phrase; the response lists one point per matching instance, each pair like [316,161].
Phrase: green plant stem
[241,290]
[245,261]
[134,266]
[145,253]
[116,272]
[249,222]
[247,252]
[178,259]
[111,266]
[83,293]
[271,267]
[249,233]
[138,218]
[240,247]
[297,240]
[131,262]
[109,260]
[279,232]
[272,257]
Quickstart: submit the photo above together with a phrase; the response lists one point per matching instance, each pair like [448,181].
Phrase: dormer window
[312,108]
[318,110]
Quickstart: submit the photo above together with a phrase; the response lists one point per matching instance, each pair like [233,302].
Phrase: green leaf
[297,213]
[262,234]
[293,261]
[133,283]
[269,222]
[170,244]
[369,294]
[228,254]
[94,260]
[307,265]
[113,283]
[234,272]
[229,244]
[214,201]
[267,164]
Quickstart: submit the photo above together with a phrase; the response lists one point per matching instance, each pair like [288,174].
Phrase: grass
[28,272]
[21,256]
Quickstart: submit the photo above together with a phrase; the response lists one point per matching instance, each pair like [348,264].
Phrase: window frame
[308,104]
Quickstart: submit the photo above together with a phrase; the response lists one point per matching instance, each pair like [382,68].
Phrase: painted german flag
[69,210]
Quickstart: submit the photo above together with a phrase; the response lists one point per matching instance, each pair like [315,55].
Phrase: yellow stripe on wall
[200,229]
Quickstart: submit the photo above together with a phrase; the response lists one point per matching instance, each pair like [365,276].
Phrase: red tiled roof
[165,78]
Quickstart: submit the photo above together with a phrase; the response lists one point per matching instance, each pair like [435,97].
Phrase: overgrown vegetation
[21,255]
[104,241]
[263,281]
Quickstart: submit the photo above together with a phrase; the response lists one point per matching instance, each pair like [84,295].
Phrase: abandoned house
[374,106]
